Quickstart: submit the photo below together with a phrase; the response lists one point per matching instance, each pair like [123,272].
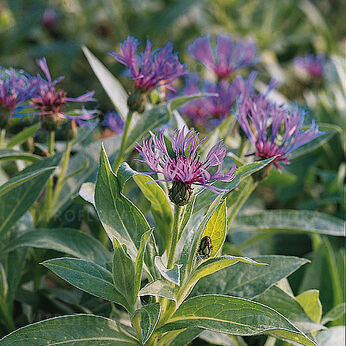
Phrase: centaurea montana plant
[150,69]
[274,130]
[229,56]
[311,65]
[16,87]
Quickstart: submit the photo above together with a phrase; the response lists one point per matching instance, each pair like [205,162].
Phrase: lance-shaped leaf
[149,316]
[181,100]
[67,240]
[111,85]
[88,277]
[158,288]
[77,330]
[289,307]
[160,206]
[288,221]
[140,259]
[234,316]
[211,266]
[172,275]
[119,216]
[23,135]
[149,120]
[10,154]
[216,229]
[14,203]
[332,336]
[123,272]
[335,313]
[243,280]
[311,304]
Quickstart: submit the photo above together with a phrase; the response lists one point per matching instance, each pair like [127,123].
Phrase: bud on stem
[180,193]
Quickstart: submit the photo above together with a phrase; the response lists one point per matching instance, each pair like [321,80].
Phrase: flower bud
[71,130]
[50,122]
[136,101]
[205,247]
[180,193]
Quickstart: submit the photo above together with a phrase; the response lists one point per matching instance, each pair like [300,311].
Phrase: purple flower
[152,68]
[15,88]
[50,102]
[214,108]
[114,121]
[181,163]
[229,56]
[310,64]
[272,129]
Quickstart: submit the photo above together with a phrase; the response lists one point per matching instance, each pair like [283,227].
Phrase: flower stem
[48,200]
[2,136]
[60,181]
[175,232]
[120,155]
[241,147]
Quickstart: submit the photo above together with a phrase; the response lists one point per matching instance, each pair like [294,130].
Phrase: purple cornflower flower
[15,88]
[215,108]
[181,163]
[229,57]
[114,121]
[50,102]
[152,68]
[272,129]
[310,64]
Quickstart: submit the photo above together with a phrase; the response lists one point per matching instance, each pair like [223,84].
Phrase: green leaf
[123,272]
[23,135]
[289,307]
[14,203]
[77,330]
[119,216]
[67,240]
[234,316]
[243,280]
[329,129]
[10,154]
[149,317]
[22,178]
[181,100]
[335,313]
[172,275]
[311,304]
[87,192]
[288,221]
[88,277]
[158,288]
[216,229]
[111,85]
[149,120]
[334,336]
[211,266]
[160,206]
[181,337]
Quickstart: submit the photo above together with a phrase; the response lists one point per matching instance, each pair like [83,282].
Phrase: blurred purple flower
[114,121]
[215,108]
[181,163]
[15,88]
[272,129]
[49,17]
[152,68]
[310,64]
[50,102]
[230,55]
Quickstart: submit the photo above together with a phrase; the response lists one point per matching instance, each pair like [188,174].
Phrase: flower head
[229,56]
[181,163]
[310,64]
[114,121]
[50,102]
[212,109]
[151,68]
[272,129]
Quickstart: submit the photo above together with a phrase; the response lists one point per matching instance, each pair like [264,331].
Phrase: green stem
[60,181]
[242,147]
[119,160]
[48,200]
[175,233]
[8,319]
[2,136]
